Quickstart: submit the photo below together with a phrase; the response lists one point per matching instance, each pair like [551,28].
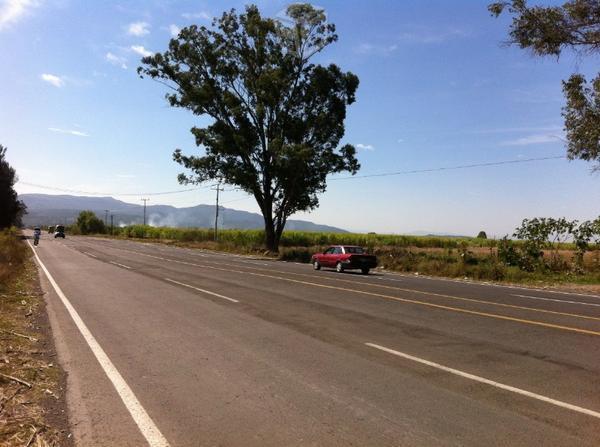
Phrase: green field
[254,239]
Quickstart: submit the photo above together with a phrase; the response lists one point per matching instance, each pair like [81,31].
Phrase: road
[217,349]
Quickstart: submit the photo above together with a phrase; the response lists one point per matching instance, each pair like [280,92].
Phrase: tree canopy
[11,208]
[549,30]
[89,223]
[277,118]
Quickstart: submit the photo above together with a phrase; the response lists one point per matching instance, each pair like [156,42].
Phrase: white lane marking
[147,427]
[202,290]
[502,386]
[357,282]
[120,265]
[390,279]
[89,254]
[558,301]
[254,262]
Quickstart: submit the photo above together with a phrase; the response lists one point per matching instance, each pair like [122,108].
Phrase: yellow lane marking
[379,295]
[421,292]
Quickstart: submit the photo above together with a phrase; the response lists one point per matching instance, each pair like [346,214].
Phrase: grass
[30,379]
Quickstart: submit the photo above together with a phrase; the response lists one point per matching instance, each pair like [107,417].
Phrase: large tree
[11,208]
[548,30]
[277,118]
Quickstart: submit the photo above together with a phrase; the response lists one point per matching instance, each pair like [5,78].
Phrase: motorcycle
[36,235]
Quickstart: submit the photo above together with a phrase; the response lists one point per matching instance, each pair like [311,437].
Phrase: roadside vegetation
[541,250]
[32,409]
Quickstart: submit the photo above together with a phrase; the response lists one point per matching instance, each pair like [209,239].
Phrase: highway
[183,347]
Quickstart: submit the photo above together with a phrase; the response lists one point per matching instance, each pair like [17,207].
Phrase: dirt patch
[33,410]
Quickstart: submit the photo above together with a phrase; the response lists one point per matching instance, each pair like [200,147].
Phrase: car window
[338,251]
[329,251]
[354,250]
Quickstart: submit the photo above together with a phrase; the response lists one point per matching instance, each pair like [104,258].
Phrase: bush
[13,253]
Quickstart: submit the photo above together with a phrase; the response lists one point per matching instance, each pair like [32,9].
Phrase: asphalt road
[217,349]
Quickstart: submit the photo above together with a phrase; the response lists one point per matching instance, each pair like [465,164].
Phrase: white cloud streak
[76,133]
[533,139]
[138,29]
[365,147]
[415,35]
[54,80]
[555,129]
[423,35]
[11,11]
[140,50]
[197,15]
[116,60]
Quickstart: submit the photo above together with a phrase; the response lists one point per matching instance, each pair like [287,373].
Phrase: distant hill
[45,209]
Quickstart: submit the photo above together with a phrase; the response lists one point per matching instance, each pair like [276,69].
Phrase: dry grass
[30,380]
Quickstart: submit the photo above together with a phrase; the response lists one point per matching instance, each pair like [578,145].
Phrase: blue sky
[437,89]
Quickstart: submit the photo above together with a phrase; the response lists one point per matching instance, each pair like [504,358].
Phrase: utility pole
[106,217]
[144,200]
[111,224]
[218,188]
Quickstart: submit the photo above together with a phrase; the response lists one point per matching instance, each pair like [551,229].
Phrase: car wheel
[365,271]
[316,265]
[339,267]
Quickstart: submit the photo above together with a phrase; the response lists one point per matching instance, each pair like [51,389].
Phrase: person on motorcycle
[37,232]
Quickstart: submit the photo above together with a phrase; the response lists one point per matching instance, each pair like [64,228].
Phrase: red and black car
[345,257]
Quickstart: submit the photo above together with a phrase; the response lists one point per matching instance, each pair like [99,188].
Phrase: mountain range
[46,209]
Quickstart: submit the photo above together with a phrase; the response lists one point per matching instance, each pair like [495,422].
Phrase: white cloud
[533,139]
[56,81]
[400,140]
[12,11]
[197,15]
[116,60]
[365,147]
[138,29]
[125,175]
[174,30]
[77,133]
[140,50]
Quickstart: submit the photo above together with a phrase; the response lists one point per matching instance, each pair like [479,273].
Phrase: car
[59,231]
[345,257]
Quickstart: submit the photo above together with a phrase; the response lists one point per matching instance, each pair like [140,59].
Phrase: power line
[450,168]
[96,193]
[353,177]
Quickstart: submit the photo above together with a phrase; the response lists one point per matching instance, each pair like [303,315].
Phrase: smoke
[157,220]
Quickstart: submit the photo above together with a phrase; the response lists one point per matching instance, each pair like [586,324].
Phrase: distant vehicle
[59,231]
[50,229]
[345,257]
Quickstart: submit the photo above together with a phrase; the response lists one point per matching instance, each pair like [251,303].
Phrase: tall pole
[111,224]
[106,217]
[218,188]
[144,200]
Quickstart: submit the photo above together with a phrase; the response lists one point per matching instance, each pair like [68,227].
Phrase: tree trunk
[271,239]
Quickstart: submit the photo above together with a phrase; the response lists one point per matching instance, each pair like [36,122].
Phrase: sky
[438,89]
